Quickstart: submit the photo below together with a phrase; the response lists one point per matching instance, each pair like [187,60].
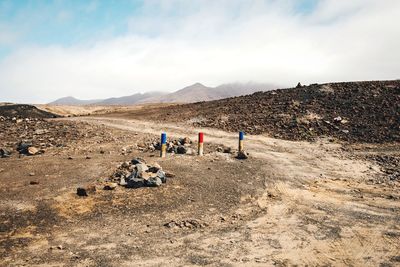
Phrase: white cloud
[224,41]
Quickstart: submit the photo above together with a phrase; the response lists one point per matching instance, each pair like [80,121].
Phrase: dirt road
[290,203]
[317,205]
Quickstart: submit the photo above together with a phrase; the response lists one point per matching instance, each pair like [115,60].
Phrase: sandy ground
[290,203]
[85,110]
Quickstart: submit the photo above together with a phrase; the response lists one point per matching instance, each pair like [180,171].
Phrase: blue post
[163,145]
[241,138]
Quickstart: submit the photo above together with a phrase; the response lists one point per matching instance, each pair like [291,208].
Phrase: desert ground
[291,203]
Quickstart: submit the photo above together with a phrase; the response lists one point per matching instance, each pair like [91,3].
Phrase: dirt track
[290,203]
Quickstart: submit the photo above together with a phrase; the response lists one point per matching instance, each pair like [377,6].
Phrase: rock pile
[174,146]
[136,173]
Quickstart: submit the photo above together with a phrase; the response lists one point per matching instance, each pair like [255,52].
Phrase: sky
[98,49]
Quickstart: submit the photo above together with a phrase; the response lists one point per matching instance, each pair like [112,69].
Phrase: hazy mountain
[193,93]
[129,100]
[124,100]
[198,92]
[72,101]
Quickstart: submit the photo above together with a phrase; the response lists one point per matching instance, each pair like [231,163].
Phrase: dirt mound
[354,111]
[24,111]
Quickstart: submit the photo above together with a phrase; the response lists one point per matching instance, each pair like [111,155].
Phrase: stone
[146,175]
[4,153]
[141,168]
[181,150]
[110,186]
[227,150]
[169,175]
[23,147]
[122,182]
[137,161]
[86,191]
[125,165]
[242,155]
[161,174]
[185,140]
[32,150]
[337,119]
[155,168]
[33,182]
[135,183]
[153,182]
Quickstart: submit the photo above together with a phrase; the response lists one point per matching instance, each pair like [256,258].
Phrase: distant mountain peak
[196,92]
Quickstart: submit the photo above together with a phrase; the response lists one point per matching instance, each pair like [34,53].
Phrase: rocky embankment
[353,112]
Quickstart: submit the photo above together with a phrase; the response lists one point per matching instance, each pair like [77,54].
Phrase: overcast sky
[99,49]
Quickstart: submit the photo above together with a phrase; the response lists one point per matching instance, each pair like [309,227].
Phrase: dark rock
[181,150]
[161,174]
[153,182]
[23,147]
[33,182]
[242,155]
[4,153]
[185,140]
[110,186]
[169,175]
[155,168]
[137,161]
[227,149]
[86,191]
[135,183]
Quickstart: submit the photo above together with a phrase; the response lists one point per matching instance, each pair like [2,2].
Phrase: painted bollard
[163,145]
[201,139]
[241,138]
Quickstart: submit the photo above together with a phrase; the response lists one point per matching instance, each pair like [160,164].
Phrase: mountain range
[193,93]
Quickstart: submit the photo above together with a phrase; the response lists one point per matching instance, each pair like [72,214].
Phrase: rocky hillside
[353,111]
[19,111]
